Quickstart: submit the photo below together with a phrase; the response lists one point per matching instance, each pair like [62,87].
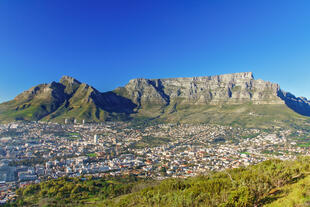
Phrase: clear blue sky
[107,43]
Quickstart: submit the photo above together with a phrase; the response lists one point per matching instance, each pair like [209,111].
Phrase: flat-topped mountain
[227,98]
[221,89]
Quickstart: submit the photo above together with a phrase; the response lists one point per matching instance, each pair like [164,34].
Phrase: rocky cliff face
[72,99]
[235,88]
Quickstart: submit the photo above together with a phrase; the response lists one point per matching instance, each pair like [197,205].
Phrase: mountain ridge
[210,89]
[169,99]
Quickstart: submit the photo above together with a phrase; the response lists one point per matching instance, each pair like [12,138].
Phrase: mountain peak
[68,79]
[71,84]
[167,98]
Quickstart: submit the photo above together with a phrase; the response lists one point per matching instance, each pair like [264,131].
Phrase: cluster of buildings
[34,151]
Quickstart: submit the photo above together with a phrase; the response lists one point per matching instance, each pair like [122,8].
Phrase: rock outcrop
[72,99]
[234,88]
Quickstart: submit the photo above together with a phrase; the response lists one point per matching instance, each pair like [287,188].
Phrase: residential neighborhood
[31,152]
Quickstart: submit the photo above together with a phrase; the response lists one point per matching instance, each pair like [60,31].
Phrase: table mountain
[229,98]
[221,89]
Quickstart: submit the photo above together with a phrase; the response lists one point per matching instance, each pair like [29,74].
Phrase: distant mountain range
[227,99]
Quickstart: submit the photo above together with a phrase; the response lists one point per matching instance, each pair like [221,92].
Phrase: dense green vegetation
[77,191]
[238,187]
[296,194]
[92,155]
[270,183]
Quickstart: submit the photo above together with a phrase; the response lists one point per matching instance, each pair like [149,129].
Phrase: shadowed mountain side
[299,104]
[164,95]
[237,99]
[68,99]
[112,102]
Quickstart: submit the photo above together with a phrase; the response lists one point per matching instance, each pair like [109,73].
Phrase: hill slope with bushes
[270,183]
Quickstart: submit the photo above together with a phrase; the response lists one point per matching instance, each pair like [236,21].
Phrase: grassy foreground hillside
[270,183]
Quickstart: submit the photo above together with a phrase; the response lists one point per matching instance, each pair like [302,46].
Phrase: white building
[95,139]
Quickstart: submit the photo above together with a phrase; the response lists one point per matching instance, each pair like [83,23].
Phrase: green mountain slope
[234,99]
[35,103]
[68,99]
[270,183]
[231,99]
[295,194]
[246,115]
